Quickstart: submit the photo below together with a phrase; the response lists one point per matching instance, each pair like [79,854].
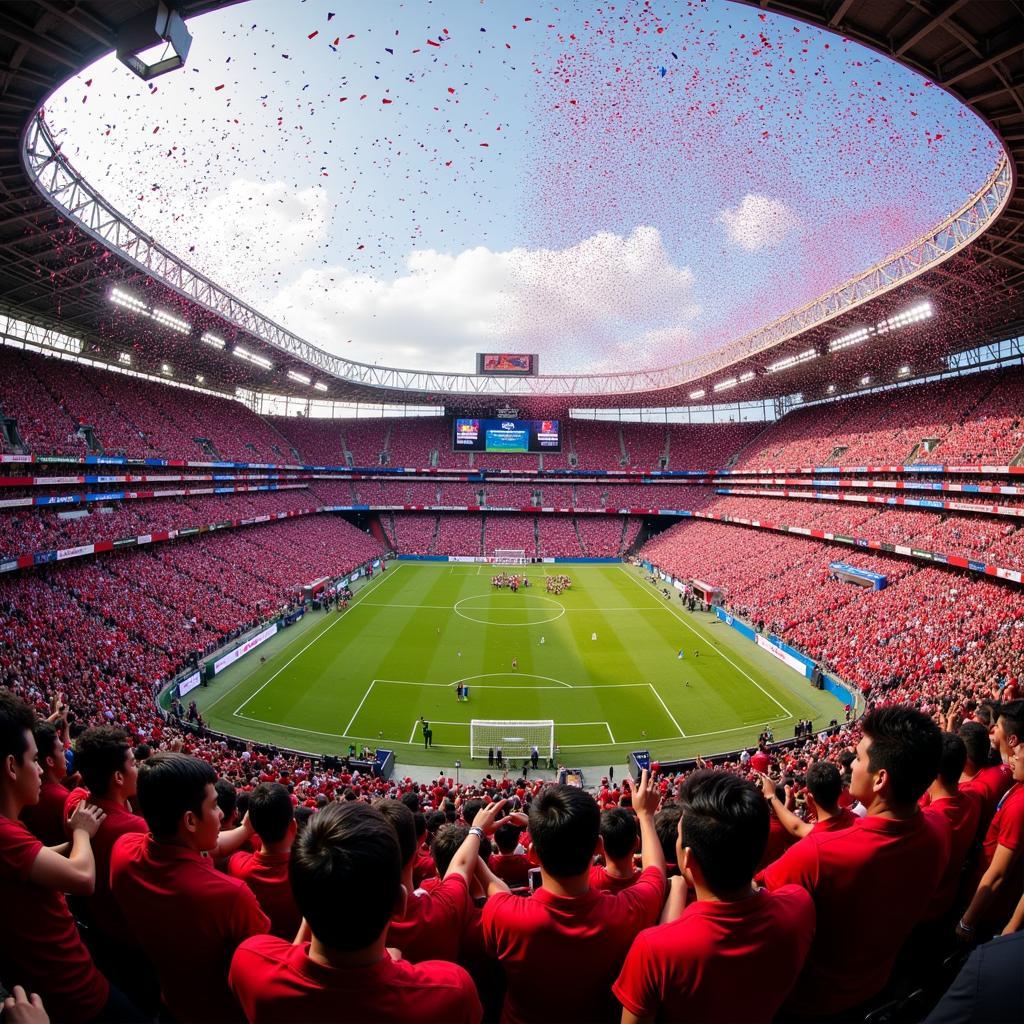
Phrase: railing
[57,180]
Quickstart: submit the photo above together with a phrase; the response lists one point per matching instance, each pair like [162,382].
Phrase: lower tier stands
[905,636]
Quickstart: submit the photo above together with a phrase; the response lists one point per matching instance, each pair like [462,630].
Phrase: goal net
[514,739]
[509,556]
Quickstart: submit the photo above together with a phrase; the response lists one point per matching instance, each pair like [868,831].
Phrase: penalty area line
[672,717]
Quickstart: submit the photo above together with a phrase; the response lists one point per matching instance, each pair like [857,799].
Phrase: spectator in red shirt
[619,840]
[666,824]
[567,923]
[962,811]
[511,867]
[40,947]
[46,818]
[272,816]
[1002,860]
[187,916]
[106,762]
[432,924]
[825,787]
[346,872]
[736,953]
[989,781]
[883,869]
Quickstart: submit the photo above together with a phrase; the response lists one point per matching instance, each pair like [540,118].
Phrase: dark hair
[908,745]
[619,832]
[227,797]
[99,752]
[987,712]
[824,784]
[45,736]
[471,808]
[952,759]
[446,842]
[16,719]
[564,825]
[270,811]
[402,822]
[1012,713]
[434,819]
[345,870]
[979,747]
[507,837]
[666,824]
[170,785]
[725,824]
[302,816]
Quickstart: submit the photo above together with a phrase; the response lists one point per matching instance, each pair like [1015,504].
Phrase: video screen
[510,436]
[507,364]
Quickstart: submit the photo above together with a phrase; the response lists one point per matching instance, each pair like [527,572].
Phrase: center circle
[521,605]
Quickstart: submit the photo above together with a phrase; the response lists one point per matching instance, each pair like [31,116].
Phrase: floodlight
[319,386]
[865,379]
[300,377]
[212,339]
[904,370]
[154,42]
[724,385]
[251,357]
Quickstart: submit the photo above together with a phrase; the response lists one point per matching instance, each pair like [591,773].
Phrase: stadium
[482,490]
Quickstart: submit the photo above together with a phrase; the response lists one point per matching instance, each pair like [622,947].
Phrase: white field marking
[449,607]
[563,746]
[494,675]
[527,608]
[667,712]
[359,708]
[671,608]
[337,618]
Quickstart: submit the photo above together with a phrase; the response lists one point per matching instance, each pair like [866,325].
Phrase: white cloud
[608,302]
[252,234]
[759,222]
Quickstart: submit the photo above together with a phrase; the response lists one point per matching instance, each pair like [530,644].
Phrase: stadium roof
[63,246]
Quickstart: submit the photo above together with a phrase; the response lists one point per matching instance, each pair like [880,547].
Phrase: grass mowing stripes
[365,676]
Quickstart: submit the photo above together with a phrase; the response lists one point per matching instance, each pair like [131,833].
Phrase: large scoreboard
[506,435]
[508,364]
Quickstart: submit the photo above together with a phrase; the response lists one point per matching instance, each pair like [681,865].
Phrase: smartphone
[533,878]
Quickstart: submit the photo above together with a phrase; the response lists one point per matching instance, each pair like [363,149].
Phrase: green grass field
[366,675]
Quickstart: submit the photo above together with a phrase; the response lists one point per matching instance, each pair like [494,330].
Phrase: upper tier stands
[941,422]
[976,418]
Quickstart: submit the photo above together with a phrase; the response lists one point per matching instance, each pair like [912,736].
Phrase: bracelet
[965,927]
[478,832]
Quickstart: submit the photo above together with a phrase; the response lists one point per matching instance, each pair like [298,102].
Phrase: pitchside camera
[154,42]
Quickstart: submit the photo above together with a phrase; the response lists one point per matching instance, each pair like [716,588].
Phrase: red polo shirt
[45,819]
[103,910]
[188,918]
[40,947]
[600,879]
[878,870]
[963,812]
[720,961]
[843,819]
[584,938]
[431,927]
[1007,829]
[275,981]
[267,875]
[512,868]
[990,784]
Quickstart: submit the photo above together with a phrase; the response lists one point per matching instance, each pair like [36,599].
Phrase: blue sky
[614,186]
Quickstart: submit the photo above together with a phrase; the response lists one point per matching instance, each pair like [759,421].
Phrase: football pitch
[601,660]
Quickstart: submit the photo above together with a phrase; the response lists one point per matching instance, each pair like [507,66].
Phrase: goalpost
[515,739]
[510,556]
